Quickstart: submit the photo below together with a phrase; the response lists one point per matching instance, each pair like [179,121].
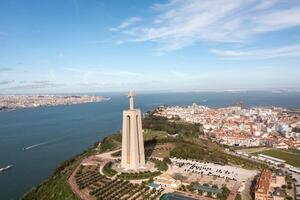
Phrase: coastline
[81,125]
[103,99]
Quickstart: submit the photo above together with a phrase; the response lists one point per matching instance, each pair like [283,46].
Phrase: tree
[289,198]
[283,186]
[167,160]
[179,176]
[150,180]
[238,197]
[208,194]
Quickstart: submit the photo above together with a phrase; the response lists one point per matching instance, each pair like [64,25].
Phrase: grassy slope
[187,146]
[56,186]
[290,157]
[151,134]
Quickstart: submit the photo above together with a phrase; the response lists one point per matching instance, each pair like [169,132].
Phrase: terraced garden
[119,189]
[100,187]
[87,176]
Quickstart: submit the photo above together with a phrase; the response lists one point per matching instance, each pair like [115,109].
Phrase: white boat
[6,168]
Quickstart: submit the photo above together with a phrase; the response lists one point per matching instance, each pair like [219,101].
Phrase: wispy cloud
[105,77]
[291,50]
[180,23]
[127,23]
[5,69]
[33,85]
[6,82]
[105,72]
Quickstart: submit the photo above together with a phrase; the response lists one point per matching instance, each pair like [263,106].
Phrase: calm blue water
[64,131]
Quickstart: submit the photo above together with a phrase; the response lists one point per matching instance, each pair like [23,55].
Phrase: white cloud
[291,50]
[5,69]
[127,23]
[105,72]
[180,23]
[7,82]
[33,85]
[277,20]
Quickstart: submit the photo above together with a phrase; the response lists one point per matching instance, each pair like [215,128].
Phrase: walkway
[74,187]
[234,191]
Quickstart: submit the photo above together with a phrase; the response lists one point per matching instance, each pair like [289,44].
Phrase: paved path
[74,187]
[246,193]
[234,191]
[72,181]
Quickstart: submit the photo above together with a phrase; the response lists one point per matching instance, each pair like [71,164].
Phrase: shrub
[160,165]
[108,171]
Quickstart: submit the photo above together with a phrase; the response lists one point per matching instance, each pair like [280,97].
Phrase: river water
[54,134]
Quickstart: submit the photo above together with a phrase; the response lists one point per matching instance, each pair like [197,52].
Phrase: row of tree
[138,175]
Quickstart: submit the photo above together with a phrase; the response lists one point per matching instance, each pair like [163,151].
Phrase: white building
[166,180]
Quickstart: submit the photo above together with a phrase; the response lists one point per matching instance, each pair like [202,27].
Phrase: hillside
[162,139]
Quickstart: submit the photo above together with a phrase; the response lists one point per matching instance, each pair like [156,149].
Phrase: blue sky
[55,46]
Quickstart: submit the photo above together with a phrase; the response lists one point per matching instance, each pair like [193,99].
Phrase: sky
[78,46]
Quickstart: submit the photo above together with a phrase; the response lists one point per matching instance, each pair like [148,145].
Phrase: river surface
[54,134]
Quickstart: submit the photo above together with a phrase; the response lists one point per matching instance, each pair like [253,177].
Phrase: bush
[108,171]
[167,160]
[283,186]
[140,175]
[224,194]
[289,198]
[238,197]
[160,165]
[116,154]
[110,142]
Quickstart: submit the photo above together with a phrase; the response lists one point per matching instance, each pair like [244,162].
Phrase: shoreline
[46,106]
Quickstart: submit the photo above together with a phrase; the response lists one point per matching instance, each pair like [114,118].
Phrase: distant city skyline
[77,46]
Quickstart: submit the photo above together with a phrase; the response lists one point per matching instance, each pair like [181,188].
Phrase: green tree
[238,197]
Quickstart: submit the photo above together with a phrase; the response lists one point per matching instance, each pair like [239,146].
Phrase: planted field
[97,186]
[86,177]
[292,158]
[119,189]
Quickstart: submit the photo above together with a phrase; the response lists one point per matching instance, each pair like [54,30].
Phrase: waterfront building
[133,154]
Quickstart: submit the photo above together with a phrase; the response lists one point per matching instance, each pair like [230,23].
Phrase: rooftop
[263,182]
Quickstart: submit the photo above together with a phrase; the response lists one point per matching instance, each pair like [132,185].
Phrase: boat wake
[35,145]
[2,169]
[45,143]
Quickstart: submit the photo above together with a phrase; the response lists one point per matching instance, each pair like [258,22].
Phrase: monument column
[133,155]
